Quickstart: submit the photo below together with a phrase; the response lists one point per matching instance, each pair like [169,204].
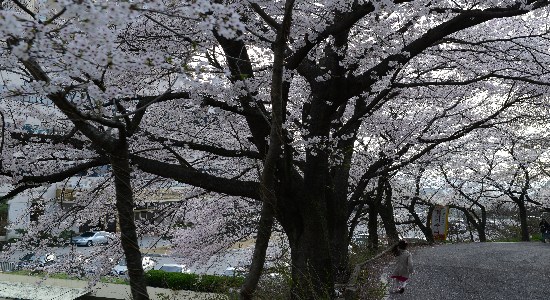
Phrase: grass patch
[193,282]
[60,276]
[114,280]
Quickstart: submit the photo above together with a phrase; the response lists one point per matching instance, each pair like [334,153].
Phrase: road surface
[216,265]
[503,271]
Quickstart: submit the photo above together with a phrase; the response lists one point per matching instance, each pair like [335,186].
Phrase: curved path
[503,271]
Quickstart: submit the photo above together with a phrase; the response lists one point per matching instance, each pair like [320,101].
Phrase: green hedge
[193,282]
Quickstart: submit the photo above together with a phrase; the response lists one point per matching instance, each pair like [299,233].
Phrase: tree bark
[268,183]
[482,225]
[338,232]
[522,210]
[260,247]
[312,264]
[338,220]
[425,228]
[372,225]
[386,214]
[125,207]
[473,220]
[312,273]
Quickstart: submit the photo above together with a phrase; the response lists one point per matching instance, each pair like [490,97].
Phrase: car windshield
[122,262]
[27,257]
[87,234]
[171,269]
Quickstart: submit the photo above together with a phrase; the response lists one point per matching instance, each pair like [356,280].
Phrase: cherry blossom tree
[471,199]
[500,164]
[322,98]
[70,54]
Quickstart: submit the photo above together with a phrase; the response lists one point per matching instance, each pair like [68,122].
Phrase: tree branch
[208,148]
[206,181]
[32,181]
[460,22]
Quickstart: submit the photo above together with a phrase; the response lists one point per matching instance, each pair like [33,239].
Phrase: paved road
[500,271]
[215,265]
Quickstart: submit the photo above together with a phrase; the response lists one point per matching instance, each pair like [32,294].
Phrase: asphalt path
[503,271]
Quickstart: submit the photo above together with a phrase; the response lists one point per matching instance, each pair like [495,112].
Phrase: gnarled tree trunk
[312,273]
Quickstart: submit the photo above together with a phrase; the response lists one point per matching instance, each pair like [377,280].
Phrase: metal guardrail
[7,266]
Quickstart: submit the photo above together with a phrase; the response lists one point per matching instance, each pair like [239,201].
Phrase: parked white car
[90,238]
[122,268]
[35,262]
[174,268]
[235,271]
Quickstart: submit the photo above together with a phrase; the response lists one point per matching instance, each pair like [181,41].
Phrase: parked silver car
[90,238]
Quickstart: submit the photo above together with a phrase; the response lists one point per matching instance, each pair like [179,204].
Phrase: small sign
[440,222]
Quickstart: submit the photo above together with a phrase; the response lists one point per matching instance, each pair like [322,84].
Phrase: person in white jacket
[403,267]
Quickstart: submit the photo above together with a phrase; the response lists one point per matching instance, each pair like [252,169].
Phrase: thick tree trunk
[428,234]
[386,214]
[312,273]
[523,220]
[125,207]
[372,225]
[337,219]
[374,208]
[482,226]
[425,228]
[481,234]
[312,265]
[338,232]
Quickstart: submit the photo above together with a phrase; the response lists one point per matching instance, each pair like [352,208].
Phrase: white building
[20,211]
[24,207]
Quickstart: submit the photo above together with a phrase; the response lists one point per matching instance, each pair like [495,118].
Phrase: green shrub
[218,284]
[175,281]
[192,282]
[4,208]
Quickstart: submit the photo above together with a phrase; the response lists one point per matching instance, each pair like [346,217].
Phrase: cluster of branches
[310,119]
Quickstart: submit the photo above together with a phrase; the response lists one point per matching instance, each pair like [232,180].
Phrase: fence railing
[7,266]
